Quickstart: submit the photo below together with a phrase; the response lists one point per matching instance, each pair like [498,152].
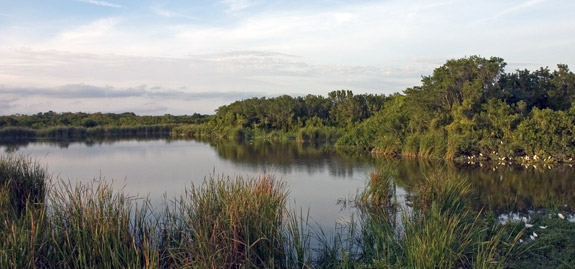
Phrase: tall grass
[23,181]
[78,132]
[16,133]
[93,226]
[23,185]
[236,222]
[224,223]
[233,223]
[438,230]
[23,235]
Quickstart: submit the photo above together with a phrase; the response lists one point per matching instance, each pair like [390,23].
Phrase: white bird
[543,227]
[534,234]
[532,238]
[527,225]
[520,240]
[560,216]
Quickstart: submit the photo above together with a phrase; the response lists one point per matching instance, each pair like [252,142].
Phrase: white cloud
[100,3]
[170,14]
[375,46]
[236,5]
[91,31]
[512,9]
[262,71]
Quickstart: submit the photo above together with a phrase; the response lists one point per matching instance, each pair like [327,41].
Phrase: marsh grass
[228,222]
[23,184]
[23,181]
[298,236]
[438,230]
[23,235]
[16,133]
[79,132]
[93,226]
[236,222]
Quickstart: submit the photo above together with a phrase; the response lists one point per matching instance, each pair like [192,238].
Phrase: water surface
[317,175]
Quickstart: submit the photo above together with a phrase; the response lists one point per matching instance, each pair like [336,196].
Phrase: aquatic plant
[228,222]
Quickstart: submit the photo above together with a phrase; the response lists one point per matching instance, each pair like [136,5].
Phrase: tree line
[80,119]
[468,108]
[471,108]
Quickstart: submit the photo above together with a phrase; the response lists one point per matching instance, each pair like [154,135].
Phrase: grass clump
[22,181]
[93,226]
[236,222]
[228,222]
[23,185]
[437,230]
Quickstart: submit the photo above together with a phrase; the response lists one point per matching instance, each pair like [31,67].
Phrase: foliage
[438,230]
[312,117]
[470,107]
[89,120]
[238,223]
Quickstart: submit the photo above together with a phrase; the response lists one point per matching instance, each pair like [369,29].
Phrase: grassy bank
[304,134]
[10,134]
[244,223]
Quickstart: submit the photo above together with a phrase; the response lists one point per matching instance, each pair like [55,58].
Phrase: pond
[319,177]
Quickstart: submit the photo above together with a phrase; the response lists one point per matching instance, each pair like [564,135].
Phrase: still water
[318,177]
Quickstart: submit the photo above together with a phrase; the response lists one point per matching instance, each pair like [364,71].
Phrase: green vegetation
[312,117]
[61,126]
[468,110]
[438,230]
[244,223]
[15,134]
[232,223]
[88,120]
[225,223]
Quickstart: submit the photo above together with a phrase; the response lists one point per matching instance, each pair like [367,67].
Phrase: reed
[228,222]
[23,235]
[298,236]
[23,184]
[80,132]
[378,192]
[236,222]
[91,226]
[23,181]
[16,133]
[438,230]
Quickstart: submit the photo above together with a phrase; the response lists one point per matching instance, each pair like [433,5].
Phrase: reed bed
[437,230]
[22,181]
[236,222]
[228,222]
[80,132]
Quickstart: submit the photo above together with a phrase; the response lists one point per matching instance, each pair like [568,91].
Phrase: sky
[184,57]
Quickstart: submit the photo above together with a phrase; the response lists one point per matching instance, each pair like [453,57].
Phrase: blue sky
[181,57]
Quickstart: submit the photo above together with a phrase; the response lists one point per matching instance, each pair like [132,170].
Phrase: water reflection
[289,157]
[503,189]
[318,175]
